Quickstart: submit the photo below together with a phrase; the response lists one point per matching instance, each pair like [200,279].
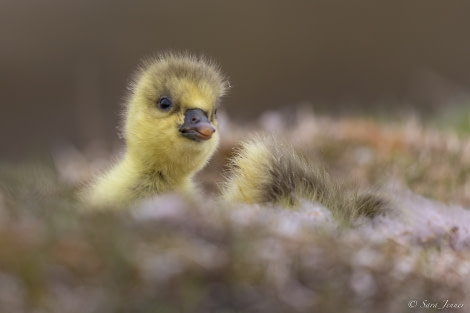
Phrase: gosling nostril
[195,120]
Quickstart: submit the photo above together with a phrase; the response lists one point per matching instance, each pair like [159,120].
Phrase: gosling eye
[215,112]
[164,103]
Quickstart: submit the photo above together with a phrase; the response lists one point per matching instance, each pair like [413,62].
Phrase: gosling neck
[160,168]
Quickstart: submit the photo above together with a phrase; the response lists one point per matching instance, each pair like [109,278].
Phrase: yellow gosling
[266,171]
[170,130]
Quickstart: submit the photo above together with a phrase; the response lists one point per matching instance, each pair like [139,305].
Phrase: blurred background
[65,65]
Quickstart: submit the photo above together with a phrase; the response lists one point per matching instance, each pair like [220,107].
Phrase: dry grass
[170,255]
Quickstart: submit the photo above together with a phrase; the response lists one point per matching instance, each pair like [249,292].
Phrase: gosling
[266,171]
[170,130]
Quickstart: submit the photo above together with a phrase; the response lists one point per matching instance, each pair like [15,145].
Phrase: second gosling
[267,171]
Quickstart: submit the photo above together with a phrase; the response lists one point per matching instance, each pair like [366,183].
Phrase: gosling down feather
[267,171]
[170,130]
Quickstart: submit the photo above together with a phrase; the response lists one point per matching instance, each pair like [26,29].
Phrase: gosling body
[267,171]
[170,130]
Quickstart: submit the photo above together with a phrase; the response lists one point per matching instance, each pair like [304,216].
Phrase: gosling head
[171,116]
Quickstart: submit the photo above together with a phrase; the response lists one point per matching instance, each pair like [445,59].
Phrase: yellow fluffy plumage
[169,129]
[267,171]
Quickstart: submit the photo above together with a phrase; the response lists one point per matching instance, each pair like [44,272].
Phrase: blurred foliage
[458,118]
[173,255]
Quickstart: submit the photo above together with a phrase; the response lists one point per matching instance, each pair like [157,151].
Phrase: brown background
[64,65]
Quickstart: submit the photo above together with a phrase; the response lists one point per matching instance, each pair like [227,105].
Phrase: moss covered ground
[169,254]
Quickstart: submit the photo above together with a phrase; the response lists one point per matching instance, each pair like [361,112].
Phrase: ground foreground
[171,255]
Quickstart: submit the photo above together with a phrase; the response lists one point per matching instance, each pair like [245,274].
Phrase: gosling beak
[196,126]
